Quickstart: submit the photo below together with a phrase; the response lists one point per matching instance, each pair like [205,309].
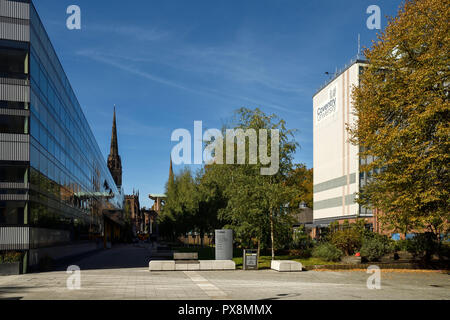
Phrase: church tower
[114,162]
[171,176]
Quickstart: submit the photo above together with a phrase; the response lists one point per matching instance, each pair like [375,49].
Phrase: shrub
[423,245]
[376,246]
[403,245]
[360,227]
[301,240]
[301,253]
[10,257]
[302,244]
[327,252]
[444,251]
[348,240]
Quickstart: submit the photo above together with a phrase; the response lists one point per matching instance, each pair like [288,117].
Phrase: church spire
[114,146]
[171,177]
[114,161]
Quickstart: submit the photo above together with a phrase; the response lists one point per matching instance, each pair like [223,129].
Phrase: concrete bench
[186,261]
[162,265]
[202,265]
[187,266]
[209,265]
[286,266]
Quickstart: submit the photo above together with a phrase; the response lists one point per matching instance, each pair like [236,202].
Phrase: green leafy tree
[210,200]
[181,207]
[402,109]
[348,240]
[256,204]
[302,178]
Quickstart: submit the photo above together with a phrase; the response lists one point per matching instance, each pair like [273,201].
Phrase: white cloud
[130,31]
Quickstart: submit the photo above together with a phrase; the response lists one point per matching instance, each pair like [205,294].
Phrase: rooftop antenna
[359,45]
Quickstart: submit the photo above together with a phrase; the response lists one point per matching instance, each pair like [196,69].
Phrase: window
[34,69]
[11,213]
[34,178]
[15,174]
[34,127]
[13,63]
[43,83]
[34,157]
[12,124]
[13,105]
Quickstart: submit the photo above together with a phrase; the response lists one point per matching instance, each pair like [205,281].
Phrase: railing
[21,81]
[26,238]
[338,72]
[14,238]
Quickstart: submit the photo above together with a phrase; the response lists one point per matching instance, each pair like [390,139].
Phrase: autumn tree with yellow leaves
[402,107]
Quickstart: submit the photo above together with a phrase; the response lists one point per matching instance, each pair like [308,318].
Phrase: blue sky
[166,64]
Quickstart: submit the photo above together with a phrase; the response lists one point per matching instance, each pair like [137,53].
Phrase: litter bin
[250,261]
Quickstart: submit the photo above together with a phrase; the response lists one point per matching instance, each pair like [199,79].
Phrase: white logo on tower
[328,109]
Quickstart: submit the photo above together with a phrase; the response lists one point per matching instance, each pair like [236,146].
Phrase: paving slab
[138,283]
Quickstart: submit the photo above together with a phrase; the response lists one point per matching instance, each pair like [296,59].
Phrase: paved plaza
[122,273]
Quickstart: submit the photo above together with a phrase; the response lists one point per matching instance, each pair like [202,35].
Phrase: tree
[302,177]
[181,207]
[255,202]
[210,200]
[128,222]
[402,111]
[192,205]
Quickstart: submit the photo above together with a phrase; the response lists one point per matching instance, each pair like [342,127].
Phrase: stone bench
[286,266]
[162,265]
[202,265]
[186,261]
[206,265]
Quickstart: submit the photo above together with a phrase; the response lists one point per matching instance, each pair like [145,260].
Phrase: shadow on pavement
[283,296]
[120,257]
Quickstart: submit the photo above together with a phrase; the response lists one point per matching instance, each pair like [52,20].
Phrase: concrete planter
[10,269]
[286,266]
[202,265]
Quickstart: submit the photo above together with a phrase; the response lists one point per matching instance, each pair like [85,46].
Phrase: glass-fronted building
[54,181]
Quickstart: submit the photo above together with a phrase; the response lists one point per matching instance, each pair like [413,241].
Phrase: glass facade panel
[66,184]
[67,165]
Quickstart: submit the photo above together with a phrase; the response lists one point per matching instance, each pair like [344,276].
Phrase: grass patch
[265,261]
[208,253]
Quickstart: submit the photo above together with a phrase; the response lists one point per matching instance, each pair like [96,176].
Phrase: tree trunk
[202,235]
[272,238]
[259,246]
